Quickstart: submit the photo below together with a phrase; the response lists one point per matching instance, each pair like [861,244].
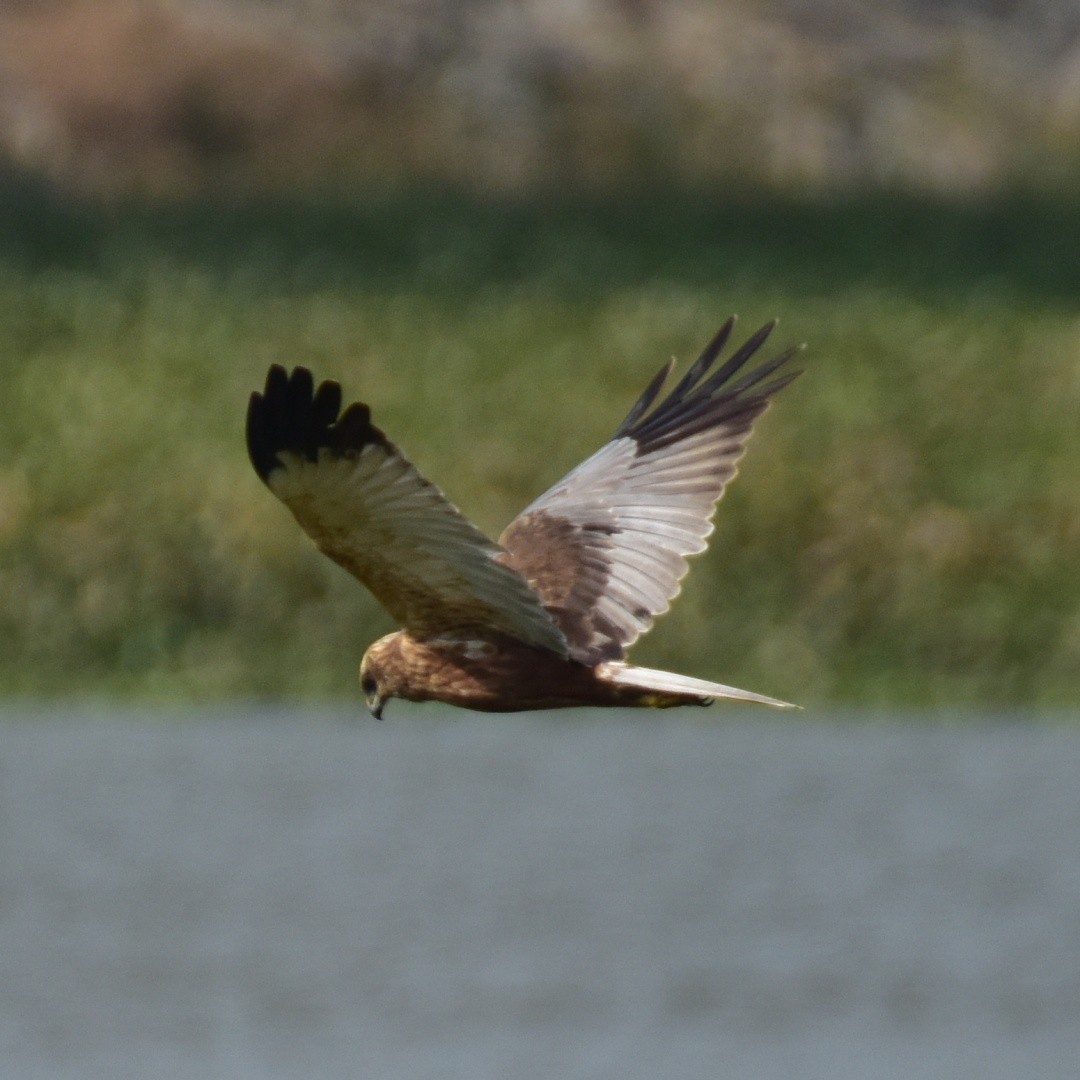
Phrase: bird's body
[490,675]
[542,619]
[500,674]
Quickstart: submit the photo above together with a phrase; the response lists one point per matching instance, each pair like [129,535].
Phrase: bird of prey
[543,618]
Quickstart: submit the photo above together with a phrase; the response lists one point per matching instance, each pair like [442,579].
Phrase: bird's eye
[367,685]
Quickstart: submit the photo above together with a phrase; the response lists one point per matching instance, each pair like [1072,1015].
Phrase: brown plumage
[544,618]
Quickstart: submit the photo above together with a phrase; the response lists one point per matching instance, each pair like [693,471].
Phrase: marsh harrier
[543,618]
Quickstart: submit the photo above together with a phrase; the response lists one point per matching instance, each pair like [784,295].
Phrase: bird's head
[377,675]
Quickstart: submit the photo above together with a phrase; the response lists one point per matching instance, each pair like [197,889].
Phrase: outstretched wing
[605,548]
[370,510]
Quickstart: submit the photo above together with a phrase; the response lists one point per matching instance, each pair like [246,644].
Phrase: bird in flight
[542,619]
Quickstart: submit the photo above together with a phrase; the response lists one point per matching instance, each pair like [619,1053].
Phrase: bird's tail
[672,689]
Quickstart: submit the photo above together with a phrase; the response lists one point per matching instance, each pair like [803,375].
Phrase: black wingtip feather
[262,457]
[326,404]
[353,431]
[702,398]
[704,361]
[641,406]
[760,373]
[292,416]
[738,358]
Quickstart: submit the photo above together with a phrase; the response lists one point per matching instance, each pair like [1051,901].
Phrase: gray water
[609,896]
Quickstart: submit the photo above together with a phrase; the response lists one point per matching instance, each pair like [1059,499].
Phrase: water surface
[614,896]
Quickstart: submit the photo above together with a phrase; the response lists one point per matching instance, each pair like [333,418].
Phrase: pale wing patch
[373,513]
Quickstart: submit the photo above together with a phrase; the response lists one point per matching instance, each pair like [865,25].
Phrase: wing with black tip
[368,508]
[606,547]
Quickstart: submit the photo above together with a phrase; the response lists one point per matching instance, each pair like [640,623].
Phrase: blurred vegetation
[906,528]
[174,97]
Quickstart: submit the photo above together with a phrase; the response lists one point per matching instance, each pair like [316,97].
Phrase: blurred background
[181,96]
[494,221]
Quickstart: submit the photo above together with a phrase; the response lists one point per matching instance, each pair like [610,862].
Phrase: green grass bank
[905,530]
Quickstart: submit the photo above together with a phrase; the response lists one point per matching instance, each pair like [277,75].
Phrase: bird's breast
[493,675]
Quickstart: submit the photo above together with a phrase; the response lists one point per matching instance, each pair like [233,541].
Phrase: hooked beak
[376,703]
